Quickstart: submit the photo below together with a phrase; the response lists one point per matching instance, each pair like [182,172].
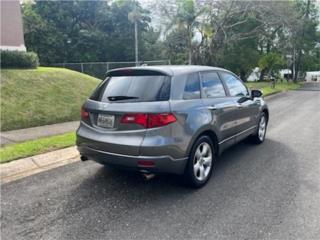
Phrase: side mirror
[256,93]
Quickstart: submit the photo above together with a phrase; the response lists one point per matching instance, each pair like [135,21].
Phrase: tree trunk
[243,75]
[297,66]
[190,56]
[190,44]
[263,72]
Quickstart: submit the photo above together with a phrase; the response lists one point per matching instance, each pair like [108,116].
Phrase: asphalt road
[270,191]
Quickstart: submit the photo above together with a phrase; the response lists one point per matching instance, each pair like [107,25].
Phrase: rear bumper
[162,164]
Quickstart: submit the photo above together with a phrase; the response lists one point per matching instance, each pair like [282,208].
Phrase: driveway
[270,191]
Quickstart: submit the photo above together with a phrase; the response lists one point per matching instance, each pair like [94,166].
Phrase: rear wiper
[118,98]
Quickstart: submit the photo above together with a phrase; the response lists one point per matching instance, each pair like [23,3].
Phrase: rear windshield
[133,89]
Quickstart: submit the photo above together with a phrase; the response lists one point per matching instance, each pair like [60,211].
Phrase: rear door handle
[212,107]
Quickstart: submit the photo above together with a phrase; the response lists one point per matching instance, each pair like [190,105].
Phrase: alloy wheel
[262,128]
[202,161]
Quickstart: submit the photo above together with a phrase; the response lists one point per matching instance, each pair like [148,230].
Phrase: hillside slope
[42,96]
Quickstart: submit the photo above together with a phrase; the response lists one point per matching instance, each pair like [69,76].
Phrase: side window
[192,87]
[212,85]
[235,86]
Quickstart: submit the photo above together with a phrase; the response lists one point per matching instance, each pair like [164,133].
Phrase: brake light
[160,119]
[137,118]
[149,120]
[84,114]
[146,163]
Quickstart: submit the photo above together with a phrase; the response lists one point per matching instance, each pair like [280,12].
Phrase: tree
[271,62]
[269,24]
[81,31]
[304,32]
[183,19]
[311,58]
[241,57]
[232,34]
[176,46]
[296,35]
[122,44]
[152,48]
[70,29]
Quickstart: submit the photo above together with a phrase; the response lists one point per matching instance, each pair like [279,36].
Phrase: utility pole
[136,41]
[134,16]
[294,63]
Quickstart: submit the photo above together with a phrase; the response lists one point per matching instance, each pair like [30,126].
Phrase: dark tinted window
[133,89]
[235,86]
[212,85]
[96,95]
[192,88]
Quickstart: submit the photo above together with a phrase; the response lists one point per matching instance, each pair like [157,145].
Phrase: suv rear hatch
[122,108]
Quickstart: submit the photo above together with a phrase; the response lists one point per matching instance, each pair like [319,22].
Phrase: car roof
[172,70]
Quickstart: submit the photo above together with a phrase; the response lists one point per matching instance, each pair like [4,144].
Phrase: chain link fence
[99,69]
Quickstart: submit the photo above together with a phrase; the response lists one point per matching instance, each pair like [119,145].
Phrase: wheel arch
[206,132]
[266,112]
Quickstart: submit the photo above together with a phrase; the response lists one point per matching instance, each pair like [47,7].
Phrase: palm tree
[184,20]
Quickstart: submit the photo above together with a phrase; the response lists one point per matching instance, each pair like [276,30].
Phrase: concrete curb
[28,166]
[274,95]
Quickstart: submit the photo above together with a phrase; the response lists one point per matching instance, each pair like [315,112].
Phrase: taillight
[84,114]
[149,120]
[137,118]
[160,119]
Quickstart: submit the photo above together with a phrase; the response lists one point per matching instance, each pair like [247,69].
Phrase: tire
[260,134]
[200,163]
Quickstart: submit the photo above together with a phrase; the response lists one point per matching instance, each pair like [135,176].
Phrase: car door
[222,106]
[245,118]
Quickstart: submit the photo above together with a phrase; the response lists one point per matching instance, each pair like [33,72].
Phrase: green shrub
[19,59]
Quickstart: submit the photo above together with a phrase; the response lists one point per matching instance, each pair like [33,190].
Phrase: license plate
[105,121]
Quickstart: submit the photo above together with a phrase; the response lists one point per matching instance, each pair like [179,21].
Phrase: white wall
[14,48]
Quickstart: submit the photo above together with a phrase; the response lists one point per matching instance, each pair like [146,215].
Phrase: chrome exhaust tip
[148,176]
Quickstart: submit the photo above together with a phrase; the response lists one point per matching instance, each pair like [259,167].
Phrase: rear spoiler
[136,72]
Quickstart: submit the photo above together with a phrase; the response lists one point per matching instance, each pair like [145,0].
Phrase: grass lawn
[34,147]
[35,97]
[267,90]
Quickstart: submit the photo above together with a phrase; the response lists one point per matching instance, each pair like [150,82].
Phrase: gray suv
[171,119]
